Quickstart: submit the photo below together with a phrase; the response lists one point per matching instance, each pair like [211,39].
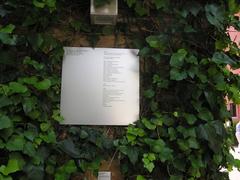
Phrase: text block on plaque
[100,86]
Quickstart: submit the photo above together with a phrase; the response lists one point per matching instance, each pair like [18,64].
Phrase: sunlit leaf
[7,29]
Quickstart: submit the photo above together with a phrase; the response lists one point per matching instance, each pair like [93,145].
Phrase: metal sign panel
[100,86]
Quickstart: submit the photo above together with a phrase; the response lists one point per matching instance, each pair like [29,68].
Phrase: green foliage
[15,163]
[188,86]
[215,15]
[148,160]
[180,134]
[65,170]
[51,4]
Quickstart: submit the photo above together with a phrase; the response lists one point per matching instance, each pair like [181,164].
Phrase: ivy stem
[110,163]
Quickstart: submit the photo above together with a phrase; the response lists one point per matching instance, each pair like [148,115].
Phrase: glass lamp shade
[104,15]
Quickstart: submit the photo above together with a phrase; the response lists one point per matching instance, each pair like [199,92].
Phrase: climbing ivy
[182,135]
[184,51]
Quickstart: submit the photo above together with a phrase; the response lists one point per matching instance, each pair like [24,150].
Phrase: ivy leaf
[158,42]
[220,44]
[130,3]
[36,41]
[172,134]
[234,94]
[148,124]
[6,133]
[222,58]
[205,114]
[133,133]
[153,41]
[7,29]
[191,119]
[34,172]
[233,6]
[31,134]
[177,59]
[209,133]
[162,83]
[211,99]
[176,74]
[57,116]
[140,177]
[196,161]
[148,159]
[219,127]
[15,163]
[65,170]
[161,3]
[38,4]
[203,132]
[157,145]
[192,59]
[217,158]
[193,143]
[29,149]
[179,164]
[165,154]
[183,144]
[187,132]
[203,78]
[140,9]
[192,71]
[153,106]
[69,148]
[29,104]
[51,3]
[5,101]
[215,15]
[16,87]
[149,93]
[15,143]
[43,85]
[45,126]
[50,137]
[8,39]
[38,66]
[156,57]
[194,7]
[42,154]
[132,153]
[144,52]
[5,122]
[28,80]
[35,114]
[83,134]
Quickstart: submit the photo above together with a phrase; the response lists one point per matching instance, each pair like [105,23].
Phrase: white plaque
[100,86]
[104,175]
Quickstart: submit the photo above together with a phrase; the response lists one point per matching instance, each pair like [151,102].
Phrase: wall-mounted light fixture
[106,14]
